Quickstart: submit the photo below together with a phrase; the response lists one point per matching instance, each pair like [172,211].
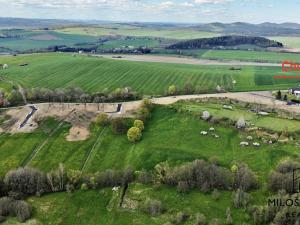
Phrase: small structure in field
[244,143]
[5,66]
[256,144]
[227,107]
[295,92]
[203,133]
[263,113]
[249,138]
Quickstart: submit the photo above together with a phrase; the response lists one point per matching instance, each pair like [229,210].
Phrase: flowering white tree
[241,123]
[205,115]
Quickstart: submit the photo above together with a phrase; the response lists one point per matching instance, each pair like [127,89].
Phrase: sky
[178,11]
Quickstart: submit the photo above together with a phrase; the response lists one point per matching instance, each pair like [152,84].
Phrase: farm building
[295,91]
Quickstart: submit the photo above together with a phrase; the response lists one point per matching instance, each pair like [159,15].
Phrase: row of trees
[206,176]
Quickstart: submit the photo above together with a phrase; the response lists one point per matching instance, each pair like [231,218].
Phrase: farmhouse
[295,91]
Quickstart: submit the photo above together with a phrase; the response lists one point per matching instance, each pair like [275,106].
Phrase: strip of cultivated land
[96,74]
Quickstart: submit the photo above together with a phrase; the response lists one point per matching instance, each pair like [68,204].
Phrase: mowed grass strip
[97,74]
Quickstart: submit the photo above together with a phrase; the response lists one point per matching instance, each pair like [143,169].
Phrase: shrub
[10,207]
[229,220]
[84,187]
[153,207]
[200,219]
[172,90]
[145,177]
[139,124]
[74,177]
[244,178]
[183,187]
[134,134]
[22,210]
[26,180]
[180,218]
[241,199]
[215,195]
[119,126]
[102,119]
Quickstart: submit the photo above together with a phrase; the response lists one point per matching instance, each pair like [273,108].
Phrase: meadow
[34,40]
[169,136]
[131,30]
[92,74]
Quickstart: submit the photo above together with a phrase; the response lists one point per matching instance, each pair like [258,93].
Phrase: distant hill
[226,41]
[263,29]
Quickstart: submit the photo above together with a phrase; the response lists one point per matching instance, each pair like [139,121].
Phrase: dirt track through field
[34,153]
[97,142]
[185,60]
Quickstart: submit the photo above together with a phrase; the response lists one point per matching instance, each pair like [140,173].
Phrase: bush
[22,210]
[27,181]
[181,218]
[215,195]
[241,199]
[10,207]
[119,126]
[145,177]
[139,124]
[134,134]
[102,119]
[215,222]
[244,178]
[172,90]
[153,207]
[182,187]
[200,219]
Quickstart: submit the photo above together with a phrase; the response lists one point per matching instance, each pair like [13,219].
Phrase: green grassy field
[170,136]
[290,42]
[42,39]
[242,55]
[138,31]
[96,74]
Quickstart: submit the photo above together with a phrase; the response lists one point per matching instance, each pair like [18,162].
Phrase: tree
[172,90]
[278,95]
[102,119]
[139,124]
[134,134]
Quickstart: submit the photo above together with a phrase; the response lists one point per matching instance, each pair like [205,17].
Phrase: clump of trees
[76,94]
[206,177]
[15,208]
[134,134]
[282,177]
[153,207]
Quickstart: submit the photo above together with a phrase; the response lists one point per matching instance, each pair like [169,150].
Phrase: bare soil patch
[78,133]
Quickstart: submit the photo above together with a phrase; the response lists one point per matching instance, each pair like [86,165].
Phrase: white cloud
[166,5]
[211,1]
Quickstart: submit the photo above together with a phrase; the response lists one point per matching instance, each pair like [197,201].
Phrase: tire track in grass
[90,154]
[34,153]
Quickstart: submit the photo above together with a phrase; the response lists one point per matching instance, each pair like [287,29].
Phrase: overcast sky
[191,11]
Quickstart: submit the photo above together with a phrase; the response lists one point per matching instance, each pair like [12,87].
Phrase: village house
[295,91]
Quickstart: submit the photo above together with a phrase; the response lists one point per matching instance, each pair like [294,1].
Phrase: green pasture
[96,74]
[169,136]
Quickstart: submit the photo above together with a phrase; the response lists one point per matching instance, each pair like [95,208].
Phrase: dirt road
[83,114]
[184,60]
